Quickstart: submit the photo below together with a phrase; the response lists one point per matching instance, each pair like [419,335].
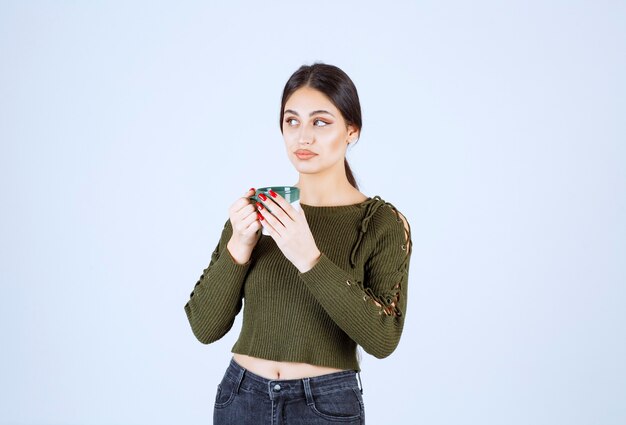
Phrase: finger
[243,201]
[249,217]
[277,211]
[266,206]
[269,222]
[282,202]
[269,229]
[238,205]
[245,212]
[251,223]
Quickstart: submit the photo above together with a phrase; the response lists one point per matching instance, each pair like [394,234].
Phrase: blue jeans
[245,398]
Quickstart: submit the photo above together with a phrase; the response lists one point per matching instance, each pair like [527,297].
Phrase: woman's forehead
[307,99]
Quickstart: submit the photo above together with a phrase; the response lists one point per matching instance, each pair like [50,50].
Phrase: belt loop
[307,391]
[358,374]
[242,372]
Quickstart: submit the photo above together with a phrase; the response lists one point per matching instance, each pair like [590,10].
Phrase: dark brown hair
[337,86]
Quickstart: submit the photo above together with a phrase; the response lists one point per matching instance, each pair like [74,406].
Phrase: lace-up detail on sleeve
[386,295]
[372,206]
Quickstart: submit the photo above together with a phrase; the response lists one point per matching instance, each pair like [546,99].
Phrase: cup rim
[275,188]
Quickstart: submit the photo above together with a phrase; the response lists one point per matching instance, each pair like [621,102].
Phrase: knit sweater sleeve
[217,296]
[371,312]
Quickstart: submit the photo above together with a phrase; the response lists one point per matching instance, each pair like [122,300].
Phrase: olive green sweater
[355,294]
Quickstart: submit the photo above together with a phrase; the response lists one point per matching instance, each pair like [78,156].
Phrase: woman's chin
[305,168]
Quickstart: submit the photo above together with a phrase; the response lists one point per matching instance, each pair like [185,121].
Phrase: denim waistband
[291,388]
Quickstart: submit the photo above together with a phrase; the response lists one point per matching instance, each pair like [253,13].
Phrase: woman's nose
[306,136]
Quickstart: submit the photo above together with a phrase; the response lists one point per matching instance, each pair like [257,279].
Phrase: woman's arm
[217,296]
[371,312]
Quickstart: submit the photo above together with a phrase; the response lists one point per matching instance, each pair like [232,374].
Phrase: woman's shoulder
[387,217]
[385,210]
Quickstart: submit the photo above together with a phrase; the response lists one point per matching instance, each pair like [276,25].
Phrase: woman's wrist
[310,263]
[239,253]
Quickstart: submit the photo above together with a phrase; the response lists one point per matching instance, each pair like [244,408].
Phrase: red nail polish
[272,193]
[259,216]
[251,189]
[263,197]
[259,205]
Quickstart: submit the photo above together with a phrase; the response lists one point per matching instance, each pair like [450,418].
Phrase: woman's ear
[353,133]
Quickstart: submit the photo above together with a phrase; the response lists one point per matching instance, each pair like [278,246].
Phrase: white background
[497,128]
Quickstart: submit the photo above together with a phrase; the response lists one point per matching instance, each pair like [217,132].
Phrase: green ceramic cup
[290,193]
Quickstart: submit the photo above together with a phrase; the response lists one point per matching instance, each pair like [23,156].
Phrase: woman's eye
[320,123]
[291,121]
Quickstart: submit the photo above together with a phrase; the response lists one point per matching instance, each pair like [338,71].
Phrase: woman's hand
[245,222]
[289,228]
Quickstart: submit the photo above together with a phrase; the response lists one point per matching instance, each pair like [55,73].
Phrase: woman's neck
[320,190]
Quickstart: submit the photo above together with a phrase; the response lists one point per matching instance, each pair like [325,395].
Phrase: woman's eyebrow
[319,111]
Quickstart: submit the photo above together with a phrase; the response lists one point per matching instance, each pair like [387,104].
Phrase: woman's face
[315,133]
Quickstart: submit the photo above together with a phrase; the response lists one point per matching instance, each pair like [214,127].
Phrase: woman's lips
[305,154]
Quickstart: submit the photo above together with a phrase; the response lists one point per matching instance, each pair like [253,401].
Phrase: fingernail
[259,205]
[263,197]
[251,189]
[259,216]
[272,193]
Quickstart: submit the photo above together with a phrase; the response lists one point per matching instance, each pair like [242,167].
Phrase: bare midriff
[270,369]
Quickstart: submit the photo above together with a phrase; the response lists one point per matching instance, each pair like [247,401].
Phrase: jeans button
[276,387]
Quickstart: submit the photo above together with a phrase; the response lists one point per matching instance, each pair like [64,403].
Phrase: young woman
[326,278]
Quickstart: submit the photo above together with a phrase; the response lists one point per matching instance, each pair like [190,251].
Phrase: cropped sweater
[356,294]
